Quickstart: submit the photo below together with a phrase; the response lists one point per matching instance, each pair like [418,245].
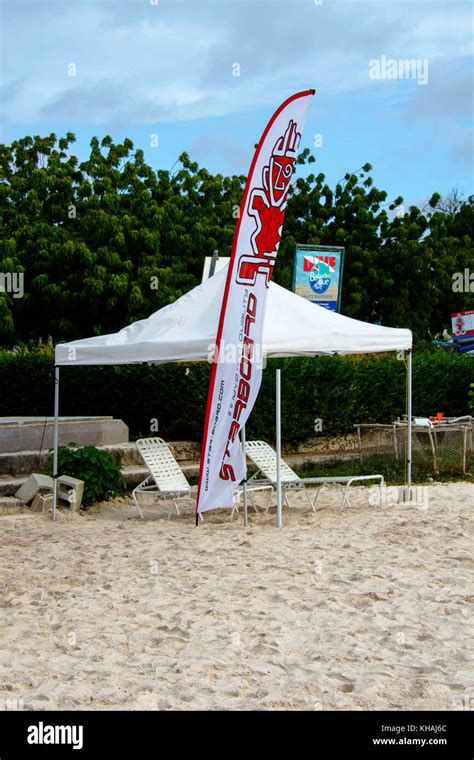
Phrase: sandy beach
[368,609]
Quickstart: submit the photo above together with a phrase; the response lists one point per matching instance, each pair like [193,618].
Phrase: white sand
[367,609]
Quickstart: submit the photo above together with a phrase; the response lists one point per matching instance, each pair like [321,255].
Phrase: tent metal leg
[278,444]
[55,440]
[409,412]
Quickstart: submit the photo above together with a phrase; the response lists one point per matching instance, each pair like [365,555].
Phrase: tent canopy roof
[186,331]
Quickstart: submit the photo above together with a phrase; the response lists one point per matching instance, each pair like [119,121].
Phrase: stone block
[42,502]
[34,484]
[70,492]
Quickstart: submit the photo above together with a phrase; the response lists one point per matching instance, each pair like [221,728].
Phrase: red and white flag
[237,368]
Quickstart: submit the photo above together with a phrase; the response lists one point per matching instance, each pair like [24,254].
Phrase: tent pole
[409,412]
[278,444]
[212,267]
[55,439]
[246,516]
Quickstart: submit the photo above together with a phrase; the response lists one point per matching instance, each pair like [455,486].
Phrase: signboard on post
[463,323]
[317,274]
[219,264]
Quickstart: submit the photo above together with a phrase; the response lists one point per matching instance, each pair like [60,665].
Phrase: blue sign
[317,274]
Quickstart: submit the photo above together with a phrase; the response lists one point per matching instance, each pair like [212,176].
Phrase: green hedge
[339,390]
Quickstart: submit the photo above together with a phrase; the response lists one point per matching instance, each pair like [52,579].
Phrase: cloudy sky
[205,76]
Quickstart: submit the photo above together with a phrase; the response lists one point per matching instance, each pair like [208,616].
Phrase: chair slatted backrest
[264,457]
[164,468]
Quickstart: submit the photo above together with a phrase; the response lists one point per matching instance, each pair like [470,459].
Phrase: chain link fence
[443,447]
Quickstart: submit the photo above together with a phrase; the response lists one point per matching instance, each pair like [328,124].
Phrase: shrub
[340,390]
[101,475]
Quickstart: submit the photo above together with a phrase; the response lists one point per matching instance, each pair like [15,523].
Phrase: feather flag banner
[238,354]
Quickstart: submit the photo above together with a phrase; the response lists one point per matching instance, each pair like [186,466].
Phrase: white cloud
[142,63]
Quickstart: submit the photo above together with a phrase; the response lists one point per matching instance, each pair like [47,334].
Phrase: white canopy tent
[186,330]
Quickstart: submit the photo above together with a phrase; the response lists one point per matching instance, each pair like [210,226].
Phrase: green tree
[109,240]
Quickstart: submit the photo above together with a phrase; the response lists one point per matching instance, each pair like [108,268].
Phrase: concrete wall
[33,433]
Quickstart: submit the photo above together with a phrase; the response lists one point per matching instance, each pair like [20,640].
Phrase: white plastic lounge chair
[167,479]
[264,458]
[238,493]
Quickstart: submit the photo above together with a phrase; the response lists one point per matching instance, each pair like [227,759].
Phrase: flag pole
[278,444]
[246,517]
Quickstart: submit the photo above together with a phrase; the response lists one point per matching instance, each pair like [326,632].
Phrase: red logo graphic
[267,206]
[460,324]
[311,263]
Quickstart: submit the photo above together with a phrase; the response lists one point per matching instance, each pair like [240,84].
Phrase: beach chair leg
[309,499]
[345,497]
[176,507]
[316,498]
[380,496]
[135,500]
[252,502]
[235,504]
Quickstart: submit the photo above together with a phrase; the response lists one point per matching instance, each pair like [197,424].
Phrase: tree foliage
[109,240]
